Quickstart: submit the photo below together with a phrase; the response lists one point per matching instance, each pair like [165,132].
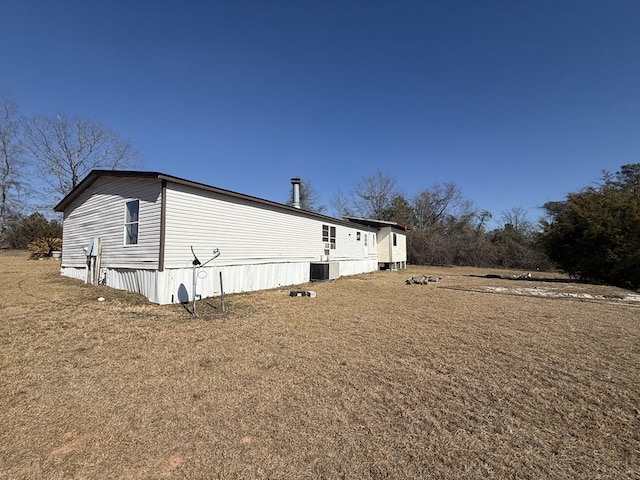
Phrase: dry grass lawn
[372,379]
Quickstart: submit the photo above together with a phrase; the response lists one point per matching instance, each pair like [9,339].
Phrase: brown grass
[371,379]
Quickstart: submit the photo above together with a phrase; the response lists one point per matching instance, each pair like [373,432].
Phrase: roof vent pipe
[296,192]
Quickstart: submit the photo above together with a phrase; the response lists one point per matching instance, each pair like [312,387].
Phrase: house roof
[376,223]
[94,175]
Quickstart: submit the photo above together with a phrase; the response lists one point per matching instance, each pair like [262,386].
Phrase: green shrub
[23,230]
[594,234]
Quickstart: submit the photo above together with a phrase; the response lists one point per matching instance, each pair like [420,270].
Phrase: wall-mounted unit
[321,271]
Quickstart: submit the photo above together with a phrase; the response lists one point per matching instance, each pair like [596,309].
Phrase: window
[395,240]
[131,220]
[329,236]
[358,237]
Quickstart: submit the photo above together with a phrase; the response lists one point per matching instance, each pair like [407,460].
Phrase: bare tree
[66,149]
[12,161]
[373,194]
[433,205]
[341,205]
[482,219]
[516,219]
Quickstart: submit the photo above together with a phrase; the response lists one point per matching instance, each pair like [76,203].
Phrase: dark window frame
[329,236]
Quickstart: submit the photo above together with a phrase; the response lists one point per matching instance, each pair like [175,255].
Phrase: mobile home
[141,231]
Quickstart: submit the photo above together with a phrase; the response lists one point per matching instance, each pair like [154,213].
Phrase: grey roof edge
[376,223]
[96,174]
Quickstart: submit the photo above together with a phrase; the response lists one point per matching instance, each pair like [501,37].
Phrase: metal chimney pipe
[296,192]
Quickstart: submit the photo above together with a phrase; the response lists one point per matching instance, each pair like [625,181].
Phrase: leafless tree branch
[12,161]
[66,149]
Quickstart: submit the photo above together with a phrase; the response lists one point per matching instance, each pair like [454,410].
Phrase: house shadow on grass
[204,309]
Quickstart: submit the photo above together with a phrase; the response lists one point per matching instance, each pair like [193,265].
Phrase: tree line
[444,227]
[593,234]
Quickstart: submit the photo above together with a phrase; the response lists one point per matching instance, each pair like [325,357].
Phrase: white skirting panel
[176,285]
[356,267]
[74,272]
[138,281]
[131,280]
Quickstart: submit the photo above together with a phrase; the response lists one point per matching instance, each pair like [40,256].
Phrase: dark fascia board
[90,179]
[95,174]
[377,223]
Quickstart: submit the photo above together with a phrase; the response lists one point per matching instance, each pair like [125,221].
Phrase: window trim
[329,235]
[128,223]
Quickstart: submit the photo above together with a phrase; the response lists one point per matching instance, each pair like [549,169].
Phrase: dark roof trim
[96,174]
[376,223]
[92,176]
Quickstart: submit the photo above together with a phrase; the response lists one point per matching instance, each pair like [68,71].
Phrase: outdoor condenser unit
[325,271]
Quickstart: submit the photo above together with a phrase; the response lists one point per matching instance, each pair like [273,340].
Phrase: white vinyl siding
[387,251]
[244,231]
[99,212]
[399,248]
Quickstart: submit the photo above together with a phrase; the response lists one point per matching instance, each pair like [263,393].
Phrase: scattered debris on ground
[522,276]
[423,280]
[629,298]
[302,293]
[547,285]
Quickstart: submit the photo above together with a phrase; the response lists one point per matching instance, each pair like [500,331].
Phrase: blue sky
[516,102]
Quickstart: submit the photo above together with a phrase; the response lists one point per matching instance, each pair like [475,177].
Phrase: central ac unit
[324,271]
